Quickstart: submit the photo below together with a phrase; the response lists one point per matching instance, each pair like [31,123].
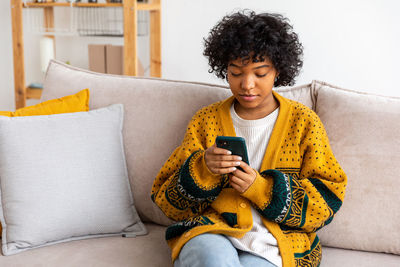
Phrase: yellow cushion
[67,104]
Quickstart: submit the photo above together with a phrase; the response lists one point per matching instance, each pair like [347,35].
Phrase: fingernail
[237,163]
[233,169]
[229,153]
[239,158]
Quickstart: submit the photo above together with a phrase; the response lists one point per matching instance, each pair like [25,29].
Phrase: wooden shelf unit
[140,6]
[130,7]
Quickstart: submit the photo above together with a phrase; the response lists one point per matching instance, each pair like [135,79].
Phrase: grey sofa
[364,135]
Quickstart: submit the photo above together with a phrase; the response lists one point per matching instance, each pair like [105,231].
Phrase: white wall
[352,44]
[6,58]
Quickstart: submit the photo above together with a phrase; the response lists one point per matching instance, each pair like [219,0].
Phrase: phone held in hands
[237,145]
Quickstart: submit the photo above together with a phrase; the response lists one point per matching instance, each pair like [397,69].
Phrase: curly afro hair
[244,34]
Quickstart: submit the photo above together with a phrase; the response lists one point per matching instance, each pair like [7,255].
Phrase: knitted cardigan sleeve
[308,200]
[184,187]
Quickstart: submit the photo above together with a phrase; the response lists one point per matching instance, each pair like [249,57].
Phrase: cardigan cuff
[260,191]
[203,166]
[196,181]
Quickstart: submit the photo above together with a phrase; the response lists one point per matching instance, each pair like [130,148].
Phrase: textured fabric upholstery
[157,112]
[63,177]
[155,120]
[363,130]
[151,250]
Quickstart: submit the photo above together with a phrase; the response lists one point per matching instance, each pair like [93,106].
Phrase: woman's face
[251,83]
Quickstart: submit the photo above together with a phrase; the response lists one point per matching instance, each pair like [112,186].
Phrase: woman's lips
[248,97]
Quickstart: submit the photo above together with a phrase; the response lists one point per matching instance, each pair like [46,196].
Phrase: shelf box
[115,59]
[97,58]
[106,58]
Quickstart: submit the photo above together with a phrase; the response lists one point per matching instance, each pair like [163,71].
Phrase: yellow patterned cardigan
[299,188]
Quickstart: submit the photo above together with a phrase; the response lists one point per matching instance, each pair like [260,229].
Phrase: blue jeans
[209,250]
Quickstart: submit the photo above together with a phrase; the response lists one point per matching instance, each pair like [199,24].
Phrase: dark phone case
[237,145]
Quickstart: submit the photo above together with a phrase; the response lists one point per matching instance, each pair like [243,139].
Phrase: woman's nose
[247,82]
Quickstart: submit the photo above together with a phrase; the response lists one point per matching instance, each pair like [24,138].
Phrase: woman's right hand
[221,161]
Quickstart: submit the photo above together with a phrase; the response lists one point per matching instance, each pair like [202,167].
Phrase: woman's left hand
[242,180]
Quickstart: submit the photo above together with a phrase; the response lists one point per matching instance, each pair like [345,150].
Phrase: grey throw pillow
[64,177]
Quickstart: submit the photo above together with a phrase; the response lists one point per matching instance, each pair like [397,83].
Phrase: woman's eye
[261,75]
[235,74]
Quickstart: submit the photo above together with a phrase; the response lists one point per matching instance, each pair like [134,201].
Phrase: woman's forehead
[250,60]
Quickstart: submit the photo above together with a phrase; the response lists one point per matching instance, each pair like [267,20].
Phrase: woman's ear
[276,77]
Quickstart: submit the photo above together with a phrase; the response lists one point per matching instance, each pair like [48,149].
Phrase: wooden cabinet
[130,8]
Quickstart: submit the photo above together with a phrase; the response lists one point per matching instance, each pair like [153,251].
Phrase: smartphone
[237,145]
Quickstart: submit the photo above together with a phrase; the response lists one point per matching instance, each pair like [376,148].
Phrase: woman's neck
[254,114]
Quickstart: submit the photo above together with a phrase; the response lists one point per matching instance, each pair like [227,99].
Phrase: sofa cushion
[156,116]
[152,250]
[363,130]
[141,251]
[63,177]
[336,257]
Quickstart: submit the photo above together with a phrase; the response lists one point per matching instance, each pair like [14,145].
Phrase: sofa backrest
[157,112]
[156,115]
[363,132]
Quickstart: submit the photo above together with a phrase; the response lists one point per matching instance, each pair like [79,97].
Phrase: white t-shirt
[258,241]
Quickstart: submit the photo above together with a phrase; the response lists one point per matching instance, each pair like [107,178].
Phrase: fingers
[238,181]
[221,161]
[223,167]
[224,164]
[242,180]
[220,154]
[222,170]
[219,151]
[218,157]
[237,188]
[239,184]
[246,168]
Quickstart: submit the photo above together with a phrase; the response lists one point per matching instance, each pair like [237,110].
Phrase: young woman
[266,213]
